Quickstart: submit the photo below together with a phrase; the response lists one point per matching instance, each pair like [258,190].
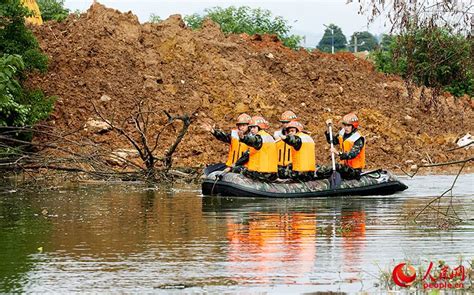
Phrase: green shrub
[248,20]
[19,55]
[16,38]
[53,10]
[19,107]
[11,112]
[431,57]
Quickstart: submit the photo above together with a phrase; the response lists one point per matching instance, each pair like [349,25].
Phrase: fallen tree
[101,161]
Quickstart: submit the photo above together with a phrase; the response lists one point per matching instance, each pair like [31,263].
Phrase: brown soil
[105,52]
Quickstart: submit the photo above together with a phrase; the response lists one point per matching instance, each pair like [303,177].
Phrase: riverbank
[54,178]
[106,67]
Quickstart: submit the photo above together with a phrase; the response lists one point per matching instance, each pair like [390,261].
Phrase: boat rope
[214,185]
[218,177]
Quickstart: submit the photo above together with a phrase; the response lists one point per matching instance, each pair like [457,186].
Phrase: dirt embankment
[108,58]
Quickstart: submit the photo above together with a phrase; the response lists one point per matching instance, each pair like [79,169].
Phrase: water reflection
[285,241]
[353,239]
[125,224]
[22,232]
[133,239]
[269,242]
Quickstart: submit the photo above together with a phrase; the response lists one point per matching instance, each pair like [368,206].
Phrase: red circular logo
[402,279]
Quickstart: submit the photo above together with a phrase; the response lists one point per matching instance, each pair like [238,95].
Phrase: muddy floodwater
[132,238]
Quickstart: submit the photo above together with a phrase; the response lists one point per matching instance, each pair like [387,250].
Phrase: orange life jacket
[304,159]
[346,145]
[265,159]
[237,148]
[284,150]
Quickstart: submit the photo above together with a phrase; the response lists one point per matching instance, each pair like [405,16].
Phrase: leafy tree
[154,18]
[434,47]
[16,38]
[53,10]
[11,112]
[365,41]
[19,107]
[386,41]
[19,54]
[340,41]
[244,19]
[433,58]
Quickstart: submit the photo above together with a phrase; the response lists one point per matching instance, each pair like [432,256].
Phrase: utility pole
[332,37]
[332,41]
[356,44]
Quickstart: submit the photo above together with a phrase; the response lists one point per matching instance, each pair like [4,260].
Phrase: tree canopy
[365,41]
[433,42]
[433,58]
[53,10]
[340,41]
[248,20]
[19,54]
[154,18]
[16,38]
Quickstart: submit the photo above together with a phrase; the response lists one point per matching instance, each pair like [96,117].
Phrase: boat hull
[375,183]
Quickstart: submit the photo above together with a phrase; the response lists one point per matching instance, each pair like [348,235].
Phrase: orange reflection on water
[353,239]
[268,241]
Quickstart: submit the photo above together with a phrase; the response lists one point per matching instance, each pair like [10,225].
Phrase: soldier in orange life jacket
[260,161]
[351,147]
[283,149]
[302,153]
[237,148]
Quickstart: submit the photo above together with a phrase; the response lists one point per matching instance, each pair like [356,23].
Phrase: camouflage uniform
[227,137]
[239,164]
[295,142]
[256,142]
[345,171]
[284,172]
[222,136]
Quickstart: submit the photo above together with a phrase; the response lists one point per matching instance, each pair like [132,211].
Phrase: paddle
[335,179]
[214,167]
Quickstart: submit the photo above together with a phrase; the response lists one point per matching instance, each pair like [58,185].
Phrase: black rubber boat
[377,182]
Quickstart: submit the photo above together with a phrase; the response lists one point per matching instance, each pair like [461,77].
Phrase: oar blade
[335,180]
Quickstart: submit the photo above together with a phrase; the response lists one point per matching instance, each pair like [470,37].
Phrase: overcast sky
[306,17]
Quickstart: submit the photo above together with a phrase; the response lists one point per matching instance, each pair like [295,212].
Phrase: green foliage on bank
[430,57]
[154,18]
[248,20]
[53,10]
[19,55]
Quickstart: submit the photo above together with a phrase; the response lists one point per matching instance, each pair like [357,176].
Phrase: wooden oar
[335,179]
